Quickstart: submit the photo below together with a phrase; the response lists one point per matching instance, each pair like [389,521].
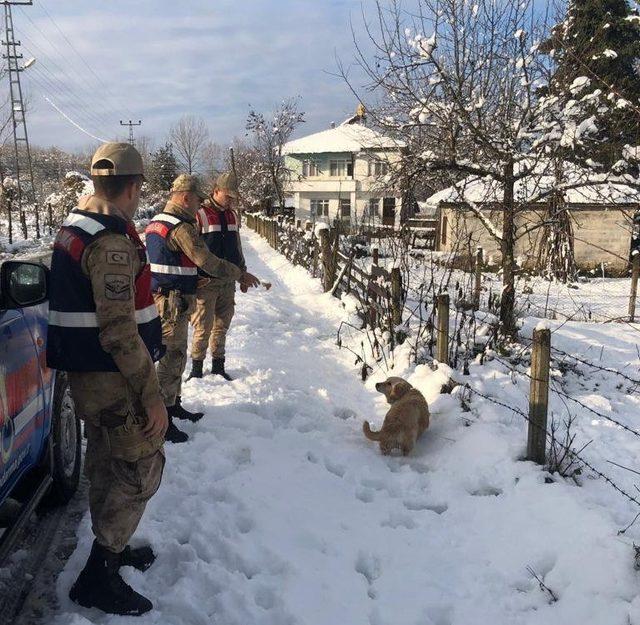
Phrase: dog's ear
[399,389]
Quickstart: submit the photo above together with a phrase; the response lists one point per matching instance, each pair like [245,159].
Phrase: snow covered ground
[280,512]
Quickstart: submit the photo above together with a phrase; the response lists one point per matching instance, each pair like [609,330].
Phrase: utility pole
[23,165]
[131,125]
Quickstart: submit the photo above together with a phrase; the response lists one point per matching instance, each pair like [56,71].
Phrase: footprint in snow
[486,491]
[416,505]
[265,597]
[335,468]
[344,413]
[398,520]
[369,566]
[364,494]
[244,524]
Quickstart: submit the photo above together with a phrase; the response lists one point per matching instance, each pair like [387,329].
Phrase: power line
[72,122]
[60,90]
[20,133]
[116,99]
[61,86]
[89,95]
[131,127]
[44,89]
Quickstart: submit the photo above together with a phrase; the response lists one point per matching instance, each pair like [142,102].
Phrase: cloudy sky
[155,60]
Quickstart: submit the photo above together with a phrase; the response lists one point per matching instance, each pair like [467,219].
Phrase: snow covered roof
[593,189]
[344,138]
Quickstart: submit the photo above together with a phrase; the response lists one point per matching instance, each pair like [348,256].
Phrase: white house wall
[359,189]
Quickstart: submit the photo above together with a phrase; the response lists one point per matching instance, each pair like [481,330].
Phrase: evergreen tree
[163,170]
[597,81]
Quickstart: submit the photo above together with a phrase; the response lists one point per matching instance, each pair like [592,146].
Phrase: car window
[27,284]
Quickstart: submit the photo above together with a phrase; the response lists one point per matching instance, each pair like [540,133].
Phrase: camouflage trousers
[211,319]
[118,489]
[174,314]
[123,466]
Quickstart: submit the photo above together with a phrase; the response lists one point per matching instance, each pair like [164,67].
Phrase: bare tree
[190,137]
[458,83]
[268,138]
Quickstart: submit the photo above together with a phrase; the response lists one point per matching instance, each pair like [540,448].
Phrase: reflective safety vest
[219,229]
[169,270]
[73,336]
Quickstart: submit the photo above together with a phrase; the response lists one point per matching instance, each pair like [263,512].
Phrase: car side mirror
[23,284]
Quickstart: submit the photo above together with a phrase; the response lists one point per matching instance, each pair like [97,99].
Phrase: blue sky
[156,60]
[161,59]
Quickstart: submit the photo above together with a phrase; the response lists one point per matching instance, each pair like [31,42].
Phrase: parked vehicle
[40,435]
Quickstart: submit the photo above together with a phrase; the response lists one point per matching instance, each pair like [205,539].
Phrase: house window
[378,168]
[320,208]
[340,168]
[374,207]
[345,209]
[310,168]
[389,211]
[443,236]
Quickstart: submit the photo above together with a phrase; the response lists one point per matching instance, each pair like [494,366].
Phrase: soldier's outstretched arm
[111,264]
[243,262]
[186,238]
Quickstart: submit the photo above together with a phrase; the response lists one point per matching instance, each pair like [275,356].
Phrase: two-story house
[345,172]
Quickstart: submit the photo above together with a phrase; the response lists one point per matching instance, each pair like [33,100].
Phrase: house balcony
[323,185]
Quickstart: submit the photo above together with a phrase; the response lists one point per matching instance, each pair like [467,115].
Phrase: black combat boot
[99,585]
[178,412]
[140,558]
[196,369]
[217,368]
[173,434]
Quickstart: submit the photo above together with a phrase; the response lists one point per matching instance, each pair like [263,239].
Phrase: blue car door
[21,400]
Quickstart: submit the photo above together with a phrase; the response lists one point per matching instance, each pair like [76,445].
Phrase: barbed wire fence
[390,316]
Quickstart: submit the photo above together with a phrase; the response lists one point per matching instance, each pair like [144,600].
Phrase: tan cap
[123,160]
[187,182]
[229,183]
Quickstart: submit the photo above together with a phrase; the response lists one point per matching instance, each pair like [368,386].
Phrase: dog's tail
[372,436]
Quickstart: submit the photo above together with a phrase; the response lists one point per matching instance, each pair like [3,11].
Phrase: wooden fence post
[539,396]
[327,259]
[442,348]
[634,287]
[276,234]
[478,284]
[375,253]
[396,297]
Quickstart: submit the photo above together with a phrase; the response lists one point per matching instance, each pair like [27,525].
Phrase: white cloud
[163,59]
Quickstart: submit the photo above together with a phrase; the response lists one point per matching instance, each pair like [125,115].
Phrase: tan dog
[406,420]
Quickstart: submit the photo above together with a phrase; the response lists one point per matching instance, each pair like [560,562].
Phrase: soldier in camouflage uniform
[105,331]
[176,251]
[219,226]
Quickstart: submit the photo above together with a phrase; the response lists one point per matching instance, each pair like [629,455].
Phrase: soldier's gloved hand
[157,420]
[249,280]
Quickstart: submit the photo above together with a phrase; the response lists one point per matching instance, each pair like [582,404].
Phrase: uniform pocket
[128,443]
[142,477]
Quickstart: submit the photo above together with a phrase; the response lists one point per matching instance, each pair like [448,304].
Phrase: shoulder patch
[117,287]
[118,258]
